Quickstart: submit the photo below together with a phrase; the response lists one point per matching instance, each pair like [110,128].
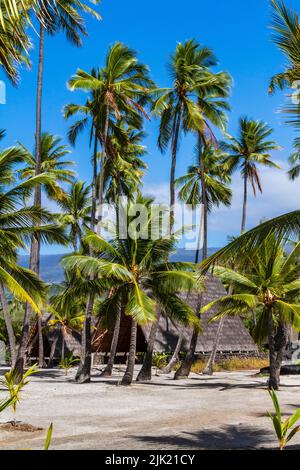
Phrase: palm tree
[176,106]
[210,90]
[268,281]
[286,35]
[142,277]
[122,89]
[211,171]
[216,180]
[52,164]
[124,167]
[64,15]
[119,91]
[16,224]
[13,47]
[76,210]
[122,177]
[67,316]
[250,149]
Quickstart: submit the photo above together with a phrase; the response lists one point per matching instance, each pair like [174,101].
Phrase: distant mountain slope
[51,270]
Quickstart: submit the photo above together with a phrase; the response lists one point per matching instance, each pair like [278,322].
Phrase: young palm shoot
[67,363]
[14,384]
[284,429]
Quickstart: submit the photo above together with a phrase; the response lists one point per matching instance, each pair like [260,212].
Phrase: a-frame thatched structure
[235,338]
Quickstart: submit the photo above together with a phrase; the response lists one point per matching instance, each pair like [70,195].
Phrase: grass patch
[233,363]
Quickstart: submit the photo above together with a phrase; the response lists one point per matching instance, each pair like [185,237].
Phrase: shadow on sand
[228,437]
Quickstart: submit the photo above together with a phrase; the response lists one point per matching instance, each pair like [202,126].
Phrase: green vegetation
[110,277]
[15,384]
[284,429]
[67,363]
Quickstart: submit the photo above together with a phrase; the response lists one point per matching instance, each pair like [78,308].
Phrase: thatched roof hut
[235,338]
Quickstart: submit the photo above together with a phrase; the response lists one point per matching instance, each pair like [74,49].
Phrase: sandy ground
[226,411]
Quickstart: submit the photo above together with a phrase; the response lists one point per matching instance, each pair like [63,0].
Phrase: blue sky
[238,31]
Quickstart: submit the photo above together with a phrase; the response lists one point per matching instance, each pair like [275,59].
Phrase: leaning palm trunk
[83,374]
[209,368]
[107,372]
[185,368]
[128,376]
[145,373]
[186,365]
[175,357]
[35,243]
[9,327]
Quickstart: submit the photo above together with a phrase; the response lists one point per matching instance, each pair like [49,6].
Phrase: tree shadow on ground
[228,437]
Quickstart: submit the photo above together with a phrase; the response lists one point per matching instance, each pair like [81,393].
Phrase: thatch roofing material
[234,337]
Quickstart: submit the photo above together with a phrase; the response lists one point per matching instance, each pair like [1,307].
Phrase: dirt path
[225,411]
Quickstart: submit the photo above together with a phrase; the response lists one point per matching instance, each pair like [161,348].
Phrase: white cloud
[280,195]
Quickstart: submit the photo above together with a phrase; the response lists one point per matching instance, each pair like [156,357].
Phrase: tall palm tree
[208,93]
[122,89]
[176,106]
[250,149]
[267,281]
[52,164]
[76,210]
[66,16]
[210,170]
[119,91]
[216,183]
[142,277]
[122,177]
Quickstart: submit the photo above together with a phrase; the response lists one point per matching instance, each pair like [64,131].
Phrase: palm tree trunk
[173,168]
[41,343]
[35,243]
[185,368]
[197,254]
[177,125]
[9,327]
[107,372]
[243,226]
[52,351]
[128,376]
[102,164]
[186,365]
[277,344]
[274,378]
[83,374]
[175,357]
[145,373]
[209,368]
